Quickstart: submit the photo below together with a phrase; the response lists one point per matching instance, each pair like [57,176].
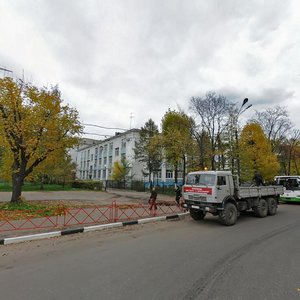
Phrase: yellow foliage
[256,154]
[34,126]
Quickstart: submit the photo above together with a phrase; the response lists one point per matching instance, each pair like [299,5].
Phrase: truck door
[222,188]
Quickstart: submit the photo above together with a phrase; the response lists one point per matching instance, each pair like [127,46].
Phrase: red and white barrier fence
[87,216]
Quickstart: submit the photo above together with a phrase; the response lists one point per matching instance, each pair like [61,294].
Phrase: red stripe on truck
[199,190]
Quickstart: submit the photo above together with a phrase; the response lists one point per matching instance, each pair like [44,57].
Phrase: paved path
[89,196]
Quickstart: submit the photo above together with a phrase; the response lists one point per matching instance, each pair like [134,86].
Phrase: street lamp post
[241,110]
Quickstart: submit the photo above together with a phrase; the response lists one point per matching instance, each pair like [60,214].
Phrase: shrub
[87,185]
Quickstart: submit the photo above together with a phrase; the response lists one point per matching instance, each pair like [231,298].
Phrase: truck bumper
[213,208]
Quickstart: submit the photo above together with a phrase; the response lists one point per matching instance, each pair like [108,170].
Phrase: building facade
[95,160]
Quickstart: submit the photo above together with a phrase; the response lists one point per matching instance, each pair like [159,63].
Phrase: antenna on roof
[131,117]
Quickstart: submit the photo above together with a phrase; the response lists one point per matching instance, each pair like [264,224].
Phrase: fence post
[115,211]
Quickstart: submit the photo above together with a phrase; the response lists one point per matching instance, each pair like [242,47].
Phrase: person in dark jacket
[258,179]
[152,199]
[178,194]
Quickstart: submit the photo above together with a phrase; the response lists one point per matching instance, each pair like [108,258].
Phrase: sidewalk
[121,197]
[89,196]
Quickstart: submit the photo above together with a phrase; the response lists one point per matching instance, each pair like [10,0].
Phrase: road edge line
[38,236]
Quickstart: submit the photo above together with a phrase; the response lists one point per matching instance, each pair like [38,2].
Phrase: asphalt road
[255,259]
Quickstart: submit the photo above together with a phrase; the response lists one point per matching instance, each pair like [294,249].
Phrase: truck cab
[208,187]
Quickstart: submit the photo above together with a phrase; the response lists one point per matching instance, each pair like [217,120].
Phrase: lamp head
[245,101]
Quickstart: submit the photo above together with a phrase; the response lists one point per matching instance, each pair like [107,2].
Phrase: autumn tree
[148,148]
[120,170]
[58,168]
[256,154]
[34,124]
[213,112]
[177,139]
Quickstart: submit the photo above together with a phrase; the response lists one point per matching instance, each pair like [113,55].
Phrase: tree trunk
[176,174]
[17,183]
[42,182]
[183,173]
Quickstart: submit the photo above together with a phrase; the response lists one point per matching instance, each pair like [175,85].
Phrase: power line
[103,127]
[6,70]
[91,133]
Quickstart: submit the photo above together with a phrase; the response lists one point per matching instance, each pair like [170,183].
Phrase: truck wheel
[261,210]
[228,216]
[272,206]
[197,214]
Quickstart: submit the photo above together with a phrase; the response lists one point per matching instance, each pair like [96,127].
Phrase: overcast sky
[117,58]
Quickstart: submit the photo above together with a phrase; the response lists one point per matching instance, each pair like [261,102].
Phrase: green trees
[177,139]
[34,126]
[148,149]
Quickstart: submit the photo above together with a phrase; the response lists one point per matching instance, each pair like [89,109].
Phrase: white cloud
[113,58]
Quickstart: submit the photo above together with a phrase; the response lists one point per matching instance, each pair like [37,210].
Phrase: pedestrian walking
[178,194]
[152,199]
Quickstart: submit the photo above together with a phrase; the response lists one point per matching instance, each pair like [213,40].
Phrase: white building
[95,160]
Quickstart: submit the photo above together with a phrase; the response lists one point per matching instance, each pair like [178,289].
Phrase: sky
[122,62]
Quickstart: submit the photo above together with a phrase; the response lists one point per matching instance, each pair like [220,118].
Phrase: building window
[117,151]
[169,174]
[123,144]
[100,151]
[105,150]
[111,147]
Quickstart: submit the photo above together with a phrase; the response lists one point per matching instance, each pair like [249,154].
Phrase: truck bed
[259,191]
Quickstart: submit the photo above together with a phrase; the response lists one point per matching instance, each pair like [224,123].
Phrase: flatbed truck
[217,193]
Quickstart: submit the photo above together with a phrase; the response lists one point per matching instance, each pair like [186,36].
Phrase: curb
[39,236]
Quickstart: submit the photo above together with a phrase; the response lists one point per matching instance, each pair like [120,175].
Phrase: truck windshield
[201,179]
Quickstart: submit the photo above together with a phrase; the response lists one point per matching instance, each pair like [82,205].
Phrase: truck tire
[261,210]
[197,214]
[228,216]
[272,206]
